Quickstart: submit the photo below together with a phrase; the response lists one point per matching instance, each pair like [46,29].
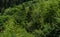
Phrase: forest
[29,18]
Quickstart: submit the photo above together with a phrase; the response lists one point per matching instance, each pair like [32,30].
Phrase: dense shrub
[37,18]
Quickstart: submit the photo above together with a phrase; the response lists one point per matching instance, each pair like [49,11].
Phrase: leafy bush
[37,18]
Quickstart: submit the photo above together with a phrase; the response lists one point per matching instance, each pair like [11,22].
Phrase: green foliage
[37,18]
